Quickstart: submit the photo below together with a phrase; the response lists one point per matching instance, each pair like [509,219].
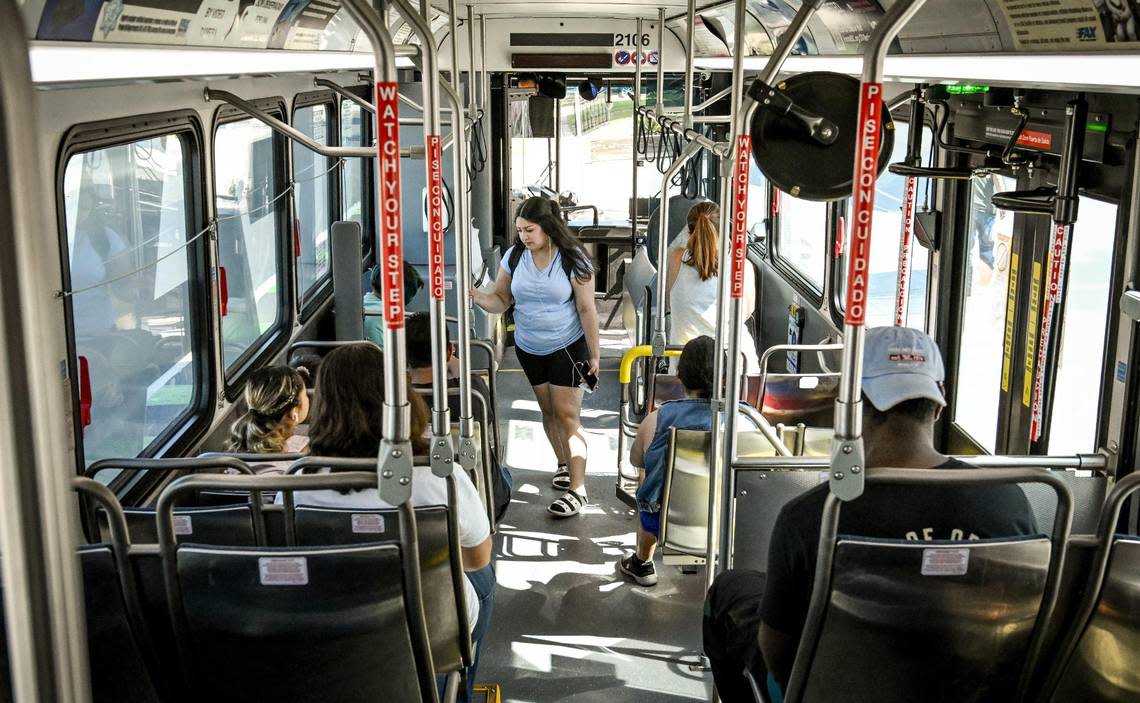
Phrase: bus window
[886,232]
[757,205]
[312,176]
[1076,389]
[249,206]
[983,318]
[352,170]
[128,227]
[801,238]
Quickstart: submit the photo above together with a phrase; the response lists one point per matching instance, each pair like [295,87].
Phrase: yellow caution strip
[490,691]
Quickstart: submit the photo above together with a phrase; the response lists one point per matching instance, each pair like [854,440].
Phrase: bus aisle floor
[567,626]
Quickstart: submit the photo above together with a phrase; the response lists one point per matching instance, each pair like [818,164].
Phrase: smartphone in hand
[588,382]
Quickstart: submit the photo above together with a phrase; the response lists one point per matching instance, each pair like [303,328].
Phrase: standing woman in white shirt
[550,279]
[693,285]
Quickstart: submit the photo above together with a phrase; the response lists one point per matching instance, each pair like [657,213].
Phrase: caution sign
[435,215]
[866,161]
[1058,253]
[391,226]
[1031,335]
[740,212]
[1010,307]
[902,284]
[622,57]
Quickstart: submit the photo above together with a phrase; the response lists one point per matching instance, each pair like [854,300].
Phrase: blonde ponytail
[701,251]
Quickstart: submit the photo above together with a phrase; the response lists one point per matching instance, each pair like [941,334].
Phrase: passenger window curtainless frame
[191,424]
[320,291]
[787,270]
[273,340]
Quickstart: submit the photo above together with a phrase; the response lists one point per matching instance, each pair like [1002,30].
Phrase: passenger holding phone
[550,279]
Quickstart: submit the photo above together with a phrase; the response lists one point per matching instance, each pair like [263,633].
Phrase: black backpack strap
[516,256]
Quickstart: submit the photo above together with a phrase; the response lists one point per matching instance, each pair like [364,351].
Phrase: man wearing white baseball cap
[902,397]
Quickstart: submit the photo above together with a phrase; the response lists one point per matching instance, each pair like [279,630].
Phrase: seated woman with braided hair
[276,402]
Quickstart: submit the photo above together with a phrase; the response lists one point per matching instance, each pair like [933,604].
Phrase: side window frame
[275,338]
[309,301]
[788,271]
[191,424]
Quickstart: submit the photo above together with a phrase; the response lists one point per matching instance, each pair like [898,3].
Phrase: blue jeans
[484,582]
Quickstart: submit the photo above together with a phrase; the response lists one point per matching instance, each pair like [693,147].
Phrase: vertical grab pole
[470,61]
[442,452]
[662,233]
[483,76]
[394,464]
[644,54]
[636,127]
[733,259]
[910,197]
[847,447]
[1064,217]
[690,52]
[462,229]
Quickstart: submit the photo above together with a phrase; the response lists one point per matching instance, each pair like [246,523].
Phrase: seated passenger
[902,381]
[276,402]
[374,308]
[347,417]
[650,446]
[693,285]
[417,329]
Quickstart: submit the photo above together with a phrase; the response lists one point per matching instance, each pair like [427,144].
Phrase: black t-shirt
[885,511]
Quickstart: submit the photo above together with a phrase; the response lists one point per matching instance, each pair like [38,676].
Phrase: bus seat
[441,568]
[787,401]
[923,636]
[676,219]
[760,495]
[1099,658]
[817,441]
[685,498]
[233,525]
[295,623]
[1089,489]
[897,620]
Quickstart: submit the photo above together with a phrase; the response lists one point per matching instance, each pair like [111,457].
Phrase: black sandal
[569,505]
[561,479]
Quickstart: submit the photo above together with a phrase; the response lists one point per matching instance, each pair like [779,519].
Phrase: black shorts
[557,368]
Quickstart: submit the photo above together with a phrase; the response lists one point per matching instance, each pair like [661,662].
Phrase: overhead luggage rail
[368,631]
[997,639]
[1107,613]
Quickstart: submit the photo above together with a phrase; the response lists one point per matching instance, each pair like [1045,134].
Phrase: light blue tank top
[546,318]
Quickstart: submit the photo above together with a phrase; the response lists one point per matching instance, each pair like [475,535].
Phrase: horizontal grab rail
[1089,462]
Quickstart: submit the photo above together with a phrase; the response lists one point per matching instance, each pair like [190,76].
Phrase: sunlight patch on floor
[528,448]
[524,575]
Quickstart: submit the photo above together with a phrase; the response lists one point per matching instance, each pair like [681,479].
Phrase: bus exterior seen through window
[248,207]
[128,224]
[312,178]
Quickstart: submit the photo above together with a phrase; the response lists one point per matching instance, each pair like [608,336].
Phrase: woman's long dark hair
[348,410]
[546,214]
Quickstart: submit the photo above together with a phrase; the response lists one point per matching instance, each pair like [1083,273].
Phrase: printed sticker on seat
[945,562]
[183,525]
[283,571]
[367,524]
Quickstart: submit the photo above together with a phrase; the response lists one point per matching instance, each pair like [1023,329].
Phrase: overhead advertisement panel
[1072,25]
[257,24]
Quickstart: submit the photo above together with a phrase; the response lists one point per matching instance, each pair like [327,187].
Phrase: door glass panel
[312,177]
[128,225]
[983,323]
[802,237]
[249,206]
[1076,390]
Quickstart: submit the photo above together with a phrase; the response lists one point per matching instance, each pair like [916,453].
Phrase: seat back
[1089,489]
[294,624]
[959,614]
[760,495]
[1099,659]
[900,620]
[685,497]
[231,525]
[441,568]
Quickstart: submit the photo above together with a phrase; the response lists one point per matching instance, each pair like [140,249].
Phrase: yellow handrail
[635,353]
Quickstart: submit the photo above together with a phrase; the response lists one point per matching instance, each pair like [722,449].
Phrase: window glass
[249,206]
[352,170]
[886,232]
[757,204]
[1076,393]
[312,178]
[597,140]
[983,322]
[802,237]
[128,227]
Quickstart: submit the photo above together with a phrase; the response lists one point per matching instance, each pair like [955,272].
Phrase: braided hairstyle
[271,393]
